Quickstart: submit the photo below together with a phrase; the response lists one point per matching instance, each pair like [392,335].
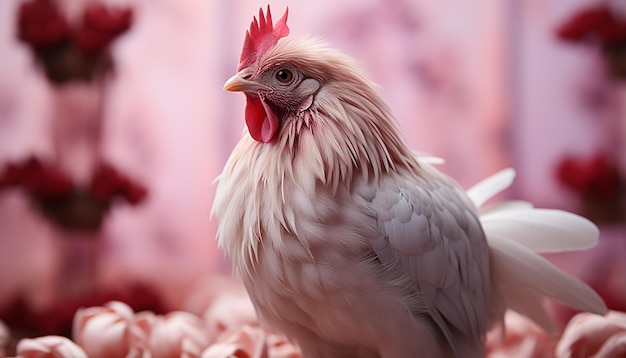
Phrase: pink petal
[246,341]
[588,334]
[523,339]
[224,350]
[178,334]
[106,331]
[614,346]
[229,311]
[280,347]
[49,347]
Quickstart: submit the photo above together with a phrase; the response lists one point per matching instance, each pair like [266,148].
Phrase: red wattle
[262,122]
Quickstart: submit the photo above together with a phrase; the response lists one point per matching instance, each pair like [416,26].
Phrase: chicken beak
[239,84]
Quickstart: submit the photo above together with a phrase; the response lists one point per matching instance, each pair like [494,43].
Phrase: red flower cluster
[47,181]
[42,25]
[604,25]
[108,183]
[37,178]
[69,206]
[592,178]
[101,25]
[595,23]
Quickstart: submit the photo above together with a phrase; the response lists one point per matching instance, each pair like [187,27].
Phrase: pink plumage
[353,245]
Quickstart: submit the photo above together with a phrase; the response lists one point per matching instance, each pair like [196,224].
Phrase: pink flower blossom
[229,311]
[178,334]
[5,335]
[251,341]
[112,330]
[279,347]
[590,335]
[523,338]
[234,329]
[245,342]
[49,347]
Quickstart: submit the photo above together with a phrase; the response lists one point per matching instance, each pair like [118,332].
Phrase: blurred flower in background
[598,180]
[71,51]
[88,198]
[521,338]
[589,335]
[602,24]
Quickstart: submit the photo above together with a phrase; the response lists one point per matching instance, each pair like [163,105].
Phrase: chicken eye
[284,76]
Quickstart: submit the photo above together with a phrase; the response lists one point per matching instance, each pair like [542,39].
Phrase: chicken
[353,245]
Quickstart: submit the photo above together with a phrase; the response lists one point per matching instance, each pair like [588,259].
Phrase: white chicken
[353,245]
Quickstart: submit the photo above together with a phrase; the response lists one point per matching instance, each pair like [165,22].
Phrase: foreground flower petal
[178,334]
[245,342]
[110,330]
[523,338]
[280,347]
[5,335]
[49,347]
[589,335]
[229,311]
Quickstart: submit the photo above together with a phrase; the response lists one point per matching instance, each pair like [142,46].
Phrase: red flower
[67,51]
[104,184]
[37,179]
[134,192]
[595,177]
[101,25]
[11,176]
[47,181]
[108,183]
[597,22]
[41,24]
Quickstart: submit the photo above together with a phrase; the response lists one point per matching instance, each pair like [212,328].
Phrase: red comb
[261,36]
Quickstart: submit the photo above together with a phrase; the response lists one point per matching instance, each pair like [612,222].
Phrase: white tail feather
[505,206]
[517,269]
[516,232]
[542,230]
[488,188]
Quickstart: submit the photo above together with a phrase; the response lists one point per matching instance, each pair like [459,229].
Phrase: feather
[541,230]
[491,186]
[516,232]
[516,269]
[429,159]
[504,206]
